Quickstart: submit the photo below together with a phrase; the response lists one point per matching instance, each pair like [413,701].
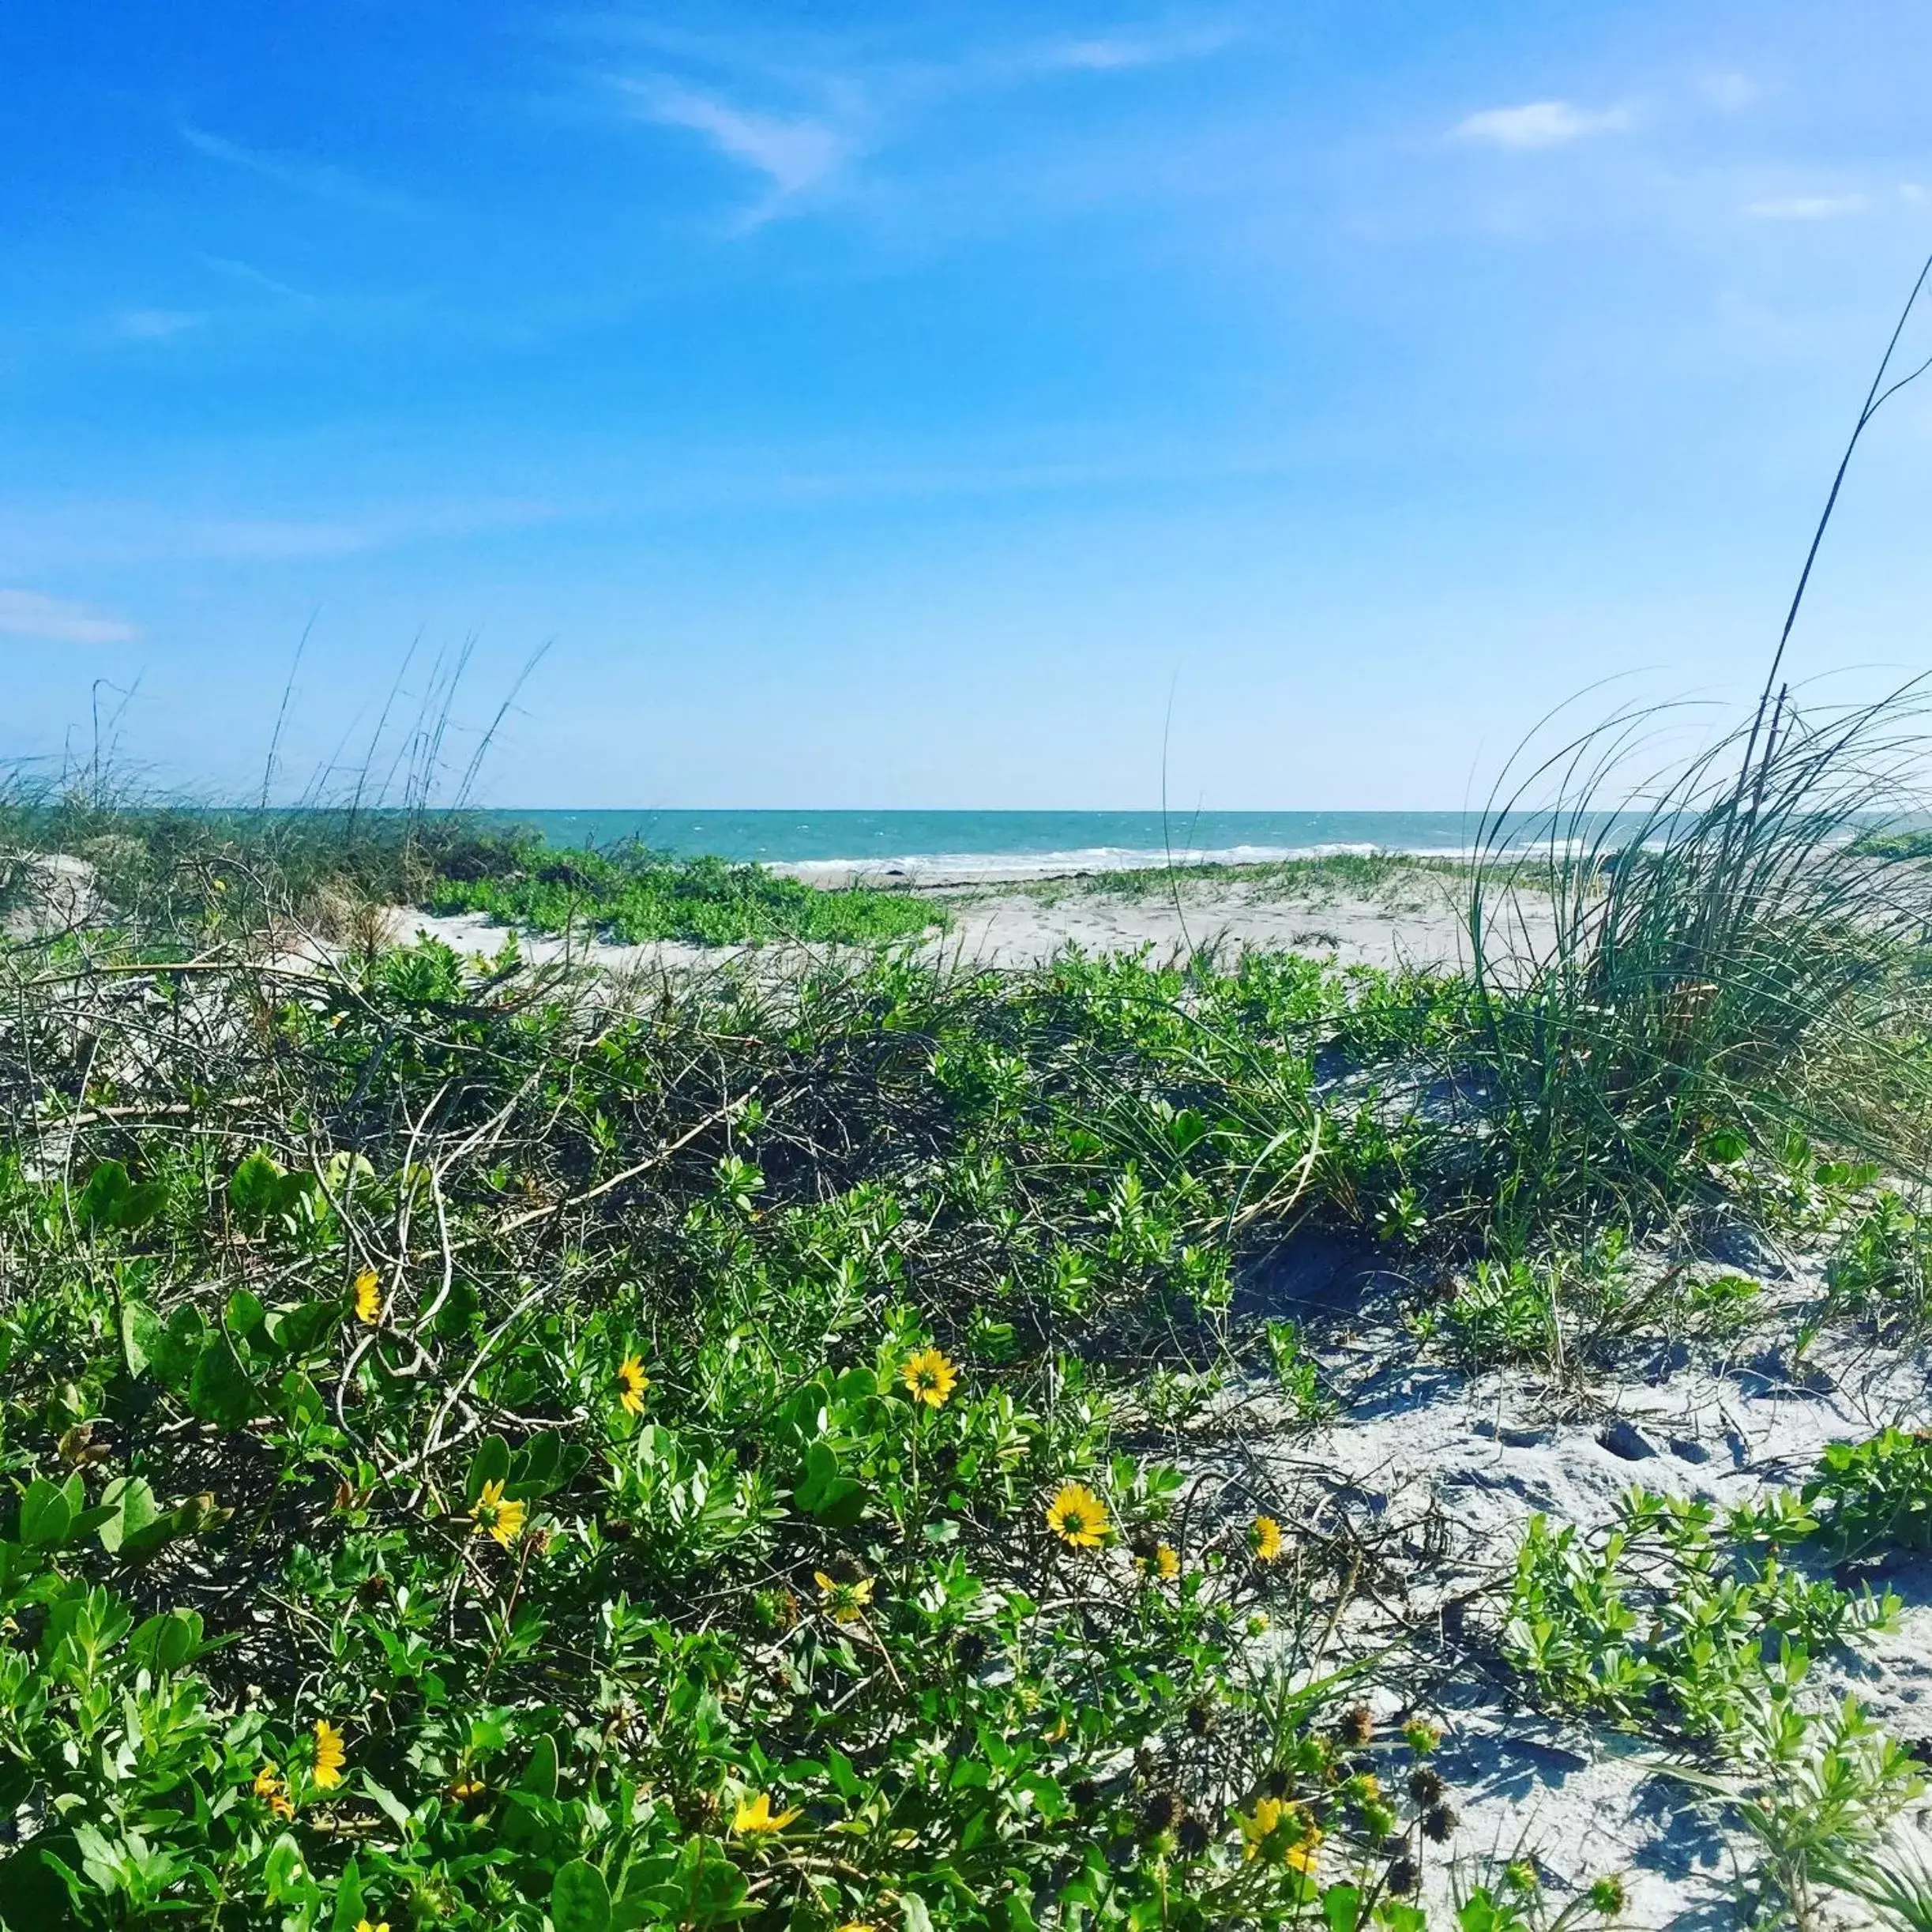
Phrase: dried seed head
[1439,1822]
[1426,1784]
[1402,1878]
[1161,1813]
[1357,1725]
[1191,1838]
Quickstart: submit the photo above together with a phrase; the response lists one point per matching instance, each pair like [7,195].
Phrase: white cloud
[1113,53]
[1540,124]
[794,152]
[154,325]
[320,179]
[27,613]
[1731,91]
[1805,207]
[247,272]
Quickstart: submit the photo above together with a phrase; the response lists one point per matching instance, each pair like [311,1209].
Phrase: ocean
[965,843]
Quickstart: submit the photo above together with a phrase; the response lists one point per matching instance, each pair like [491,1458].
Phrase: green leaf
[539,1776]
[142,1336]
[580,1901]
[491,1464]
[111,1200]
[302,1403]
[245,1315]
[1341,1905]
[287,1878]
[255,1188]
[220,1390]
[135,1510]
[348,1912]
[173,1353]
[835,1499]
[168,1641]
[46,1516]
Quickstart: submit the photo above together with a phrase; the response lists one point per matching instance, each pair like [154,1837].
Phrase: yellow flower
[463,1788]
[1281,1831]
[328,1755]
[269,1786]
[929,1377]
[1166,1562]
[1265,1539]
[859,1925]
[493,1516]
[1078,1516]
[368,1297]
[842,1601]
[754,1816]
[362,1924]
[632,1381]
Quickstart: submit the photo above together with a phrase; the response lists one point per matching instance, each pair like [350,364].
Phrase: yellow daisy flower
[1078,1516]
[929,1377]
[362,1924]
[754,1816]
[269,1788]
[1281,1831]
[633,1382]
[1166,1562]
[496,1516]
[368,1297]
[1265,1539]
[329,1755]
[842,1603]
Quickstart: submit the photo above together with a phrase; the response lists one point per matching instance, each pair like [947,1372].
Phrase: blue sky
[894,405]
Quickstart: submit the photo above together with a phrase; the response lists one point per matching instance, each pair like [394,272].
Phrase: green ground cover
[631,894]
[487,1450]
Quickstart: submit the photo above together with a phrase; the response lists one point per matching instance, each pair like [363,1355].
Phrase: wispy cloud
[1115,53]
[28,614]
[253,277]
[1540,124]
[320,179]
[155,325]
[1731,91]
[1805,207]
[794,152]
[827,104]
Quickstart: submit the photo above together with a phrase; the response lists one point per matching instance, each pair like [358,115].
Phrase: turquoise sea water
[968,842]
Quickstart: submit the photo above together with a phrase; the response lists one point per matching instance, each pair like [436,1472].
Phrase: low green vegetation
[485,1456]
[1387,878]
[489,1446]
[162,868]
[632,894]
[1916,844]
[1677,1621]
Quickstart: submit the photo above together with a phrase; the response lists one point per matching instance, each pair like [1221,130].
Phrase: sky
[942,405]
